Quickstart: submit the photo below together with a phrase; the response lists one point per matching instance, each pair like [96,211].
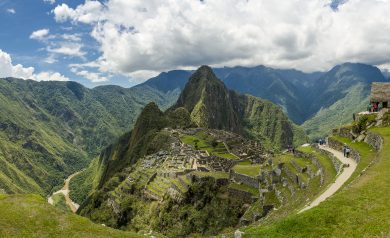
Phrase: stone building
[380,94]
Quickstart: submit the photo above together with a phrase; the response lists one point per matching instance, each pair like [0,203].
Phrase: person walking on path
[347,151]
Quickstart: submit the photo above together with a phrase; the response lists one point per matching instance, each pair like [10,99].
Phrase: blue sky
[126,42]
[19,18]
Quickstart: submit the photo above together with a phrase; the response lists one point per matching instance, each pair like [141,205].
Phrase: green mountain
[320,100]
[342,91]
[50,129]
[212,105]
[206,115]
[207,103]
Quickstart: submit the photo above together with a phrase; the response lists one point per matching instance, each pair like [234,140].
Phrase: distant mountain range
[320,101]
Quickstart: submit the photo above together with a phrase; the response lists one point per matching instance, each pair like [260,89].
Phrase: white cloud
[11,10]
[142,75]
[40,34]
[71,37]
[50,1]
[7,69]
[154,35]
[85,13]
[49,76]
[94,77]
[69,49]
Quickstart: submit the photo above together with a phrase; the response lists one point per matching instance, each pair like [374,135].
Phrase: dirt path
[65,191]
[340,180]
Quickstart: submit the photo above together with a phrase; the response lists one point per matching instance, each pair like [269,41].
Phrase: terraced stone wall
[247,180]
[374,140]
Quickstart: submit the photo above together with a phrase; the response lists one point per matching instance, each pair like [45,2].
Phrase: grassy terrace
[32,216]
[324,161]
[202,141]
[360,209]
[216,175]
[248,169]
[245,188]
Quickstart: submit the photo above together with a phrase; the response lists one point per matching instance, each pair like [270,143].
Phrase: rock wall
[337,165]
[313,159]
[337,145]
[247,180]
[343,132]
[247,197]
[294,177]
[374,140]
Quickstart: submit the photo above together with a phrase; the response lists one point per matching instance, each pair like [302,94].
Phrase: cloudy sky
[127,41]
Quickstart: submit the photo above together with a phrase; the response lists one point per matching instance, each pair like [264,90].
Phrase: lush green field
[360,209]
[32,216]
[244,187]
[202,141]
[248,169]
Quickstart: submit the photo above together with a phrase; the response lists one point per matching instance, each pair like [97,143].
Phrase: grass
[216,175]
[251,170]
[32,216]
[59,202]
[245,188]
[202,141]
[360,209]
[330,171]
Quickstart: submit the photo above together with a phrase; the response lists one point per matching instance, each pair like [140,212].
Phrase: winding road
[65,191]
[340,180]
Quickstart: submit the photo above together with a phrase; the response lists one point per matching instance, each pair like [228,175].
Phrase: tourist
[347,151]
[344,150]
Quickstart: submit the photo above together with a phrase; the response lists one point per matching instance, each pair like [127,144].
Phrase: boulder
[360,138]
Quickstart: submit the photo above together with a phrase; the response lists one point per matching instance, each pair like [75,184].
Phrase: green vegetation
[216,175]
[330,171]
[248,169]
[363,122]
[31,216]
[203,141]
[212,105]
[49,130]
[59,202]
[83,183]
[339,113]
[360,209]
[245,188]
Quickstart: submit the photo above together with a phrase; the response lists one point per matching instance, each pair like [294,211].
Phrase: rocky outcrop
[343,132]
[374,140]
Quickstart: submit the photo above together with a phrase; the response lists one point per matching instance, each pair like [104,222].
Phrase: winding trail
[65,191]
[340,180]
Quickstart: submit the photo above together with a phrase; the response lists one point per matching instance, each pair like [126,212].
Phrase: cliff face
[208,101]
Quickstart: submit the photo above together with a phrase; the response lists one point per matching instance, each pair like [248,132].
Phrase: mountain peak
[204,73]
